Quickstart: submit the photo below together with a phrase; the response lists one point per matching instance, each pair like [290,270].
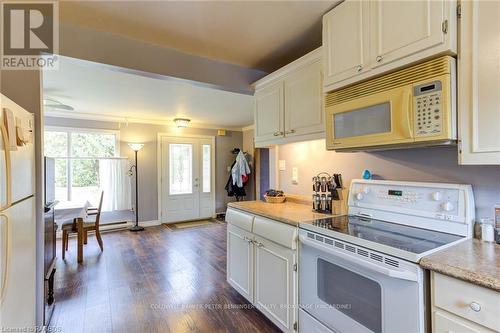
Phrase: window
[206,168]
[77,153]
[181,168]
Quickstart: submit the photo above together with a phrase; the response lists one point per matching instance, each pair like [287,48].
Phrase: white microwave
[414,106]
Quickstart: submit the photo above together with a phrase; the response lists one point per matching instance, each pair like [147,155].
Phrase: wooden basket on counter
[274,199]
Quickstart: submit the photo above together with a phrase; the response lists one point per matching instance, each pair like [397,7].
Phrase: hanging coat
[240,169]
[232,189]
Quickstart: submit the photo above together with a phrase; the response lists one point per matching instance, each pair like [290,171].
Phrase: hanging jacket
[232,189]
[240,169]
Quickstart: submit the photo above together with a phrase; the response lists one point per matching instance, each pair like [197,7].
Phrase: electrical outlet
[282,165]
[295,176]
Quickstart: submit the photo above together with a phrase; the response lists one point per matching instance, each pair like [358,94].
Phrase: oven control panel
[420,202]
[428,112]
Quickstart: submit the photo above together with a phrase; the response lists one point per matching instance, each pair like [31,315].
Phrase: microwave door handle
[402,275]
[409,115]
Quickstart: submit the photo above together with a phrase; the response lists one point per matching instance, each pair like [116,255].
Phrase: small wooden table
[70,211]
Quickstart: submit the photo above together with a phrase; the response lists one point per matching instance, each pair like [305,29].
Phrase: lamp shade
[136,146]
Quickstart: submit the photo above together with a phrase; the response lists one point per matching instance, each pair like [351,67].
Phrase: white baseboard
[146,224]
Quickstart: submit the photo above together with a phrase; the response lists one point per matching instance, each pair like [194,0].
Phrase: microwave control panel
[428,112]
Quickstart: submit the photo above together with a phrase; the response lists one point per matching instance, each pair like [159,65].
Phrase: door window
[350,293]
[374,119]
[206,151]
[181,168]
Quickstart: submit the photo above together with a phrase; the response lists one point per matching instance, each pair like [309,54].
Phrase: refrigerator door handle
[6,258]
[8,177]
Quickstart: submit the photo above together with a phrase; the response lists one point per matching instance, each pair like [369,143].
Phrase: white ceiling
[256,34]
[96,92]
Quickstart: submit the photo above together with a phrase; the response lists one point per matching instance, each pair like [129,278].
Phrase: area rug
[187,225]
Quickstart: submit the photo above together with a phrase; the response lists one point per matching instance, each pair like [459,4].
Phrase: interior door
[187,184]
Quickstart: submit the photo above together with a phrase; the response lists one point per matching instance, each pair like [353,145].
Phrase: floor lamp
[136,147]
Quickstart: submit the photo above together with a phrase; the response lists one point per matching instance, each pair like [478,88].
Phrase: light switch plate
[295,175]
[282,165]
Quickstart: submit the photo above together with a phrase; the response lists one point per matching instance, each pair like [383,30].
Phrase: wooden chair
[87,225]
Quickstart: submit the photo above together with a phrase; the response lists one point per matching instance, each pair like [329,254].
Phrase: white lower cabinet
[240,261]
[461,307]
[275,279]
[262,266]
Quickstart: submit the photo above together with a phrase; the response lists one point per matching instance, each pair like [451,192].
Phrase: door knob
[476,307]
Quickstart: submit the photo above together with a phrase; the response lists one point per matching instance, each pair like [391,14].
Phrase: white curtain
[115,182]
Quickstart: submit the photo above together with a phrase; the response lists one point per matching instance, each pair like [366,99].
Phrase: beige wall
[147,158]
[249,147]
[422,164]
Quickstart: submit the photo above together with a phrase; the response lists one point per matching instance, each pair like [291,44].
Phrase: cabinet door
[269,112]
[303,101]
[479,79]
[275,283]
[345,41]
[240,261]
[446,323]
[403,28]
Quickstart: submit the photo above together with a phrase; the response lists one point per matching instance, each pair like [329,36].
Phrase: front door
[187,184]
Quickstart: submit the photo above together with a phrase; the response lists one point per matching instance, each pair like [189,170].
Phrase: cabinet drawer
[447,323]
[239,219]
[477,304]
[277,232]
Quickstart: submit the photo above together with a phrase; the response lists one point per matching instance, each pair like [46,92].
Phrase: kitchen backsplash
[437,164]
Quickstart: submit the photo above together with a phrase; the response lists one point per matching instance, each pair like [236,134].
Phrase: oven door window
[374,119]
[350,293]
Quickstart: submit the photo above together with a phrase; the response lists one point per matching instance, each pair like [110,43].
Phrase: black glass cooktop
[411,239]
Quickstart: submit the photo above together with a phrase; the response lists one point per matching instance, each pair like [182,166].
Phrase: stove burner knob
[359,196]
[436,196]
[447,206]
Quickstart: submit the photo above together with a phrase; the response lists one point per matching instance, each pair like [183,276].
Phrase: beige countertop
[472,261]
[288,212]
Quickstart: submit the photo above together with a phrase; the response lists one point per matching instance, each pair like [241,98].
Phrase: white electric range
[360,272]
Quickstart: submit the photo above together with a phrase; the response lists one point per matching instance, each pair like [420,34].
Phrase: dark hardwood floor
[157,280]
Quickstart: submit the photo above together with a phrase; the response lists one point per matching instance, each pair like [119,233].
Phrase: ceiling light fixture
[181,122]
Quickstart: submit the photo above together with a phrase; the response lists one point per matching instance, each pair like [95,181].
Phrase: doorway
[187,178]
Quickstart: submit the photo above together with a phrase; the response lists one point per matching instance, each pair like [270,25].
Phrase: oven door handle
[402,275]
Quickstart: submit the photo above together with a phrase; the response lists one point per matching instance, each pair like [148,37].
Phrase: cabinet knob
[277,133]
[247,239]
[290,131]
[475,306]
[259,244]
[359,68]
[379,58]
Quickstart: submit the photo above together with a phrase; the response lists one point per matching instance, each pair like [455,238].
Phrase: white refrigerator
[17,216]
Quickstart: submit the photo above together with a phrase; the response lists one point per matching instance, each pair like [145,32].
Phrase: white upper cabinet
[289,103]
[402,28]
[362,39]
[479,79]
[345,36]
[269,112]
[303,102]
